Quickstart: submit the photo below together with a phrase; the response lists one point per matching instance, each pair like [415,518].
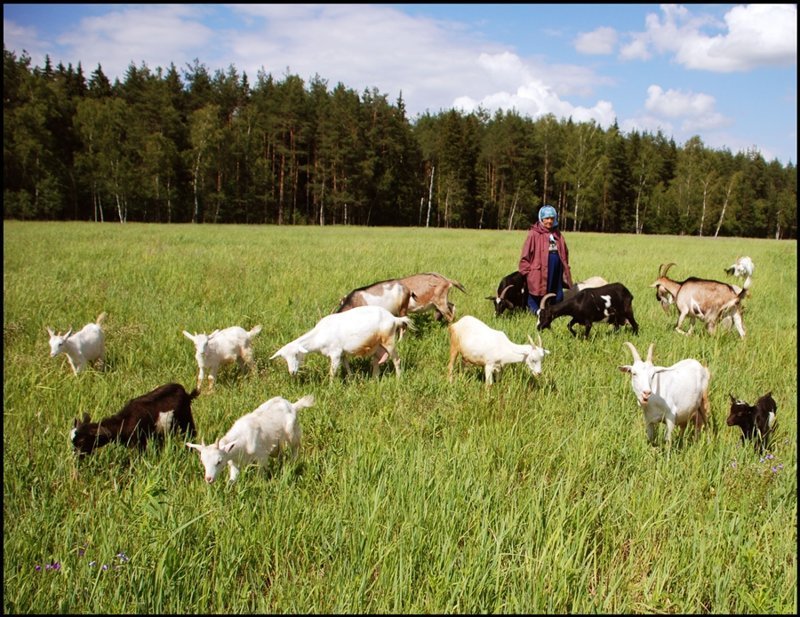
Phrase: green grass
[410,495]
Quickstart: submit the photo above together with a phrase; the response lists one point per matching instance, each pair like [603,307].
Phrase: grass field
[410,494]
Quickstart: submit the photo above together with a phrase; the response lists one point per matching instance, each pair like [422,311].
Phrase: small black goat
[167,409]
[512,293]
[756,421]
[612,303]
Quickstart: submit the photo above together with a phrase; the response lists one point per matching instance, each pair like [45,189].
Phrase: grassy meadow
[411,495]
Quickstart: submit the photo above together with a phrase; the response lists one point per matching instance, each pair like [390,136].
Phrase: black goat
[612,303]
[512,293]
[166,409]
[756,421]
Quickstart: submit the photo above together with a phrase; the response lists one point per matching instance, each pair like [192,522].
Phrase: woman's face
[547,223]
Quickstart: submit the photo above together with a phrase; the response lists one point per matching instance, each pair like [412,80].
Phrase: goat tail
[254,331]
[404,322]
[457,285]
[194,394]
[100,318]
[307,401]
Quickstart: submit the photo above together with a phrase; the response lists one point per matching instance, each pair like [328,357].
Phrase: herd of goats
[368,323]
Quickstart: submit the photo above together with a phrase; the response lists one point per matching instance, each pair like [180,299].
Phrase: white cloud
[751,36]
[697,110]
[601,41]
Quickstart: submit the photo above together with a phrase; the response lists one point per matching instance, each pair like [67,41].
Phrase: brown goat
[703,299]
[429,291]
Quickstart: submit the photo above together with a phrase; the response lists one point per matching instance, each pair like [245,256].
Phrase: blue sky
[724,72]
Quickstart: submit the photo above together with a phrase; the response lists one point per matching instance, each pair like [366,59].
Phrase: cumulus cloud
[601,41]
[751,36]
[697,110]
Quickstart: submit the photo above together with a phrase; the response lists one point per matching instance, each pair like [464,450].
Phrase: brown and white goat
[429,290]
[697,298]
[390,294]
[167,409]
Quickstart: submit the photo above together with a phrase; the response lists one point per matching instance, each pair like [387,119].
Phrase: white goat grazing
[673,395]
[222,347]
[254,438]
[360,331]
[85,346]
[479,344]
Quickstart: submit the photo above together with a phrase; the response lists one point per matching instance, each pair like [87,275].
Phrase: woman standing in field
[545,259]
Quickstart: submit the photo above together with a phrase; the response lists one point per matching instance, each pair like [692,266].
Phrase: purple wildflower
[105,566]
[81,552]
[733,464]
[37,567]
[769,456]
[123,557]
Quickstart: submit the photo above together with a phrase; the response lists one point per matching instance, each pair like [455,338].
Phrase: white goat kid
[361,331]
[84,347]
[222,347]
[254,438]
[484,346]
[673,395]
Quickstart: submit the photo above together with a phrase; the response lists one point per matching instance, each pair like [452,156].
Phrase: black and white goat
[756,421]
[167,409]
[612,303]
[703,299]
[512,293]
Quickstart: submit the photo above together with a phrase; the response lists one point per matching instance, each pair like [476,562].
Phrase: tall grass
[411,494]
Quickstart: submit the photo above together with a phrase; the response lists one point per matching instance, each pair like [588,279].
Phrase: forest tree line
[206,146]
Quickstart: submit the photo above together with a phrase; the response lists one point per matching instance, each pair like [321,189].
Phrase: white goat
[254,438]
[743,267]
[85,346]
[360,331]
[222,347]
[479,344]
[673,395]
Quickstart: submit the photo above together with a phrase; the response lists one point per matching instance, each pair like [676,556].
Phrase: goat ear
[228,447]
[625,369]
[102,430]
[275,355]
[66,336]
[193,446]
[302,349]
[733,398]
[213,333]
[86,418]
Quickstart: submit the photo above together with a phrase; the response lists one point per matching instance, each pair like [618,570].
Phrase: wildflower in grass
[53,565]
[92,564]
[733,464]
[123,557]
[105,566]
[777,468]
[37,567]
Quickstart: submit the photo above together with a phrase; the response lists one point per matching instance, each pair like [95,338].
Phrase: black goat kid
[756,421]
[167,409]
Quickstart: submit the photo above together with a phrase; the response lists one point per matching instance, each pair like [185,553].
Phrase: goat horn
[636,356]
[502,295]
[545,298]
[650,352]
[539,338]
[666,268]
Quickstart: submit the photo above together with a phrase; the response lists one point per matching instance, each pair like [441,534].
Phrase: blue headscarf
[547,211]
